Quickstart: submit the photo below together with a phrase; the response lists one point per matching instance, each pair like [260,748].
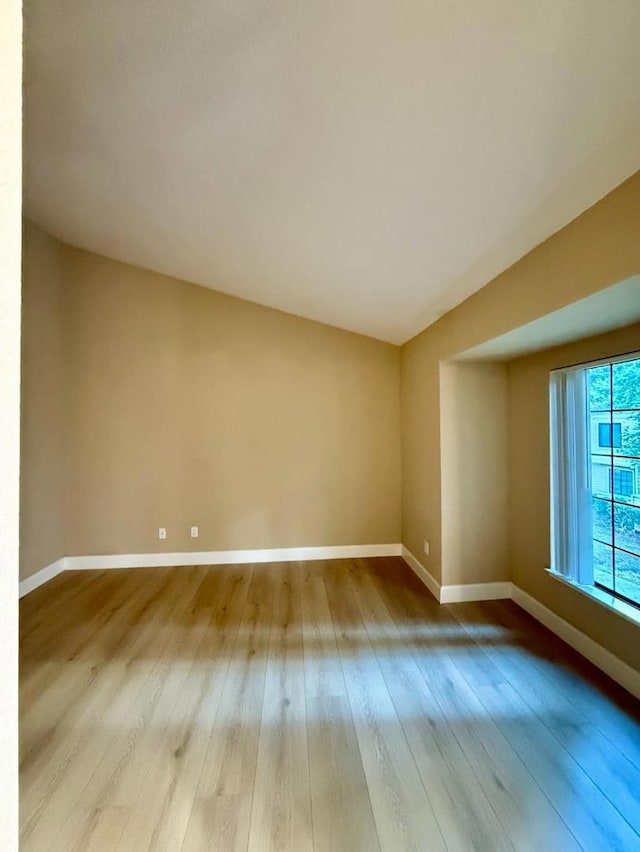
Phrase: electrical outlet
[426,547]
[194,532]
[162,532]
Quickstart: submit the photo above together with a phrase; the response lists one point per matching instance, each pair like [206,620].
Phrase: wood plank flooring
[311,706]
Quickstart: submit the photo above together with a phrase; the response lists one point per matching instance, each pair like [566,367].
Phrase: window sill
[628,611]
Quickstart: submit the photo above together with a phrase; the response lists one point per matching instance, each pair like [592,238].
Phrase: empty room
[320,431]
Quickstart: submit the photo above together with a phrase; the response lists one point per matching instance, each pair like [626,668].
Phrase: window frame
[582,577]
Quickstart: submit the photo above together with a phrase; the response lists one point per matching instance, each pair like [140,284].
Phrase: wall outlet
[162,532]
[194,532]
[426,547]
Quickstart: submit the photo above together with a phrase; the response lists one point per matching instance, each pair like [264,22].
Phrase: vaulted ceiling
[367,164]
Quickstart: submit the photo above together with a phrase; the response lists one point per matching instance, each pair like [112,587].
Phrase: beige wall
[529,490]
[474,472]
[42,446]
[184,406]
[596,250]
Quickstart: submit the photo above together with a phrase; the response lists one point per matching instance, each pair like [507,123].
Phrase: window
[595,476]
[604,434]
[623,483]
[601,481]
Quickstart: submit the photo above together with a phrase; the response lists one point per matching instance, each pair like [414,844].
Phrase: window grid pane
[615,476]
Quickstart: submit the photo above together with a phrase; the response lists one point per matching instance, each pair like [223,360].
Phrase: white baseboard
[475,592]
[229,557]
[207,557]
[456,594]
[42,576]
[421,572]
[617,670]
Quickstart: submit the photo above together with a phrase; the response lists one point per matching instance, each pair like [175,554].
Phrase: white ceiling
[368,164]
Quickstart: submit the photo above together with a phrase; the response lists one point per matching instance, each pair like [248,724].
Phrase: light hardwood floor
[316,706]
